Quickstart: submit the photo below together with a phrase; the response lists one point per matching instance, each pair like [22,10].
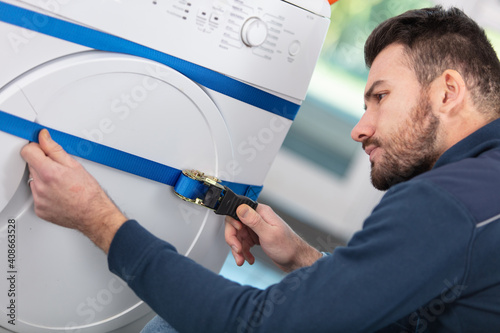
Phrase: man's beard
[412,150]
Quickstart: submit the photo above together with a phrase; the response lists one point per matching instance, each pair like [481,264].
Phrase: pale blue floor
[259,275]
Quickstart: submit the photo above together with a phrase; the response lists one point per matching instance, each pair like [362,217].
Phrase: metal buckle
[214,187]
[218,197]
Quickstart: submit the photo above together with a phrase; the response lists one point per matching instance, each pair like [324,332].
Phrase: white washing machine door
[57,280]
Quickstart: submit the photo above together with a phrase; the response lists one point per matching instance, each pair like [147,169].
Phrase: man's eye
[380,96]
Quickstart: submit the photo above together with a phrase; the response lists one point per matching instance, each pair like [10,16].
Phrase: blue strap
[195,188]
[105,42]
[115,158]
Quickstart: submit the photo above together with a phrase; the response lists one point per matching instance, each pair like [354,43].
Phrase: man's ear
[452,92]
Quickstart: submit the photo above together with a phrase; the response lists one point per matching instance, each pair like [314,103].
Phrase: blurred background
[319,182]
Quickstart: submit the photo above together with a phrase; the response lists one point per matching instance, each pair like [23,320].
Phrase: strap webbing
[112,157]
[105,42]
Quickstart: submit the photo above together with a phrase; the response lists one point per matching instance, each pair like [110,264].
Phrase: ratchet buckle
[207,191]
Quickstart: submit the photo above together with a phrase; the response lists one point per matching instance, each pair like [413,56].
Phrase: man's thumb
[250,218]
[51,148]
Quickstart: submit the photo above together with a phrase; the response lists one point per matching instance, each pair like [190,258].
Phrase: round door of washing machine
[55,279]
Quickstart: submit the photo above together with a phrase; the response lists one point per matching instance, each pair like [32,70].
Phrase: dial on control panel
[254,32]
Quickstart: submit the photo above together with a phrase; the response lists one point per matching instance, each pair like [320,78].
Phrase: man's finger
[252,219]
[53,150]
[249,256]
[33,154]
[235,223]
[230,235]
[234,243]
[238,258]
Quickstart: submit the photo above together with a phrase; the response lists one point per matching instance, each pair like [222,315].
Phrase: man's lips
[370,151]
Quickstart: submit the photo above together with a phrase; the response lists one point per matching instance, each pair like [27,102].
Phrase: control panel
[272,44]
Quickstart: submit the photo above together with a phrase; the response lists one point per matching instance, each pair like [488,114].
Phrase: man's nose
[364,129]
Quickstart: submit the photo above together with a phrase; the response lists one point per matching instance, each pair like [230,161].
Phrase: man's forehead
[390,65]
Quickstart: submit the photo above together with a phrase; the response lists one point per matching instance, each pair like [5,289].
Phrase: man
[428,257]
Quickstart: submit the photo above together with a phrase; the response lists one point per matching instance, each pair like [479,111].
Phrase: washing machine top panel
[270,44]
[60,280]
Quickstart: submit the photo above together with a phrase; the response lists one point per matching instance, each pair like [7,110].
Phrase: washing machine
[210,85]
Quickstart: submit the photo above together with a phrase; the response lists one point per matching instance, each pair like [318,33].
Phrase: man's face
[398,129]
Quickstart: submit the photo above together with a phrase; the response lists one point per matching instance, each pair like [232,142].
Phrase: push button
[294,48]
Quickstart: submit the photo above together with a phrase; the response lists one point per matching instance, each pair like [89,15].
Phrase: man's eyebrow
[369,92]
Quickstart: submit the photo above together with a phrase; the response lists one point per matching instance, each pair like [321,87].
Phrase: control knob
[254,32]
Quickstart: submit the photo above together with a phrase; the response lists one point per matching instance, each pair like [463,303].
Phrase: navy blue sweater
[426,260]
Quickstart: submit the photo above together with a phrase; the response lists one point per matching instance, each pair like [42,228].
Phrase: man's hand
[66,194]
[263,227]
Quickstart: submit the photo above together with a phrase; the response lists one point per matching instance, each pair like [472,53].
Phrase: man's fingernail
[243,211]
[45,134]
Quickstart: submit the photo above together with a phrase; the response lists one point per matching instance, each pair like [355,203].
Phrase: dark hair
[435,40]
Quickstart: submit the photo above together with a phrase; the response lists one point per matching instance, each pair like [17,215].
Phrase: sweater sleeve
[413,245]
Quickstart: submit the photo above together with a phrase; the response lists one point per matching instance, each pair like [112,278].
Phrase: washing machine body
[56,280]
